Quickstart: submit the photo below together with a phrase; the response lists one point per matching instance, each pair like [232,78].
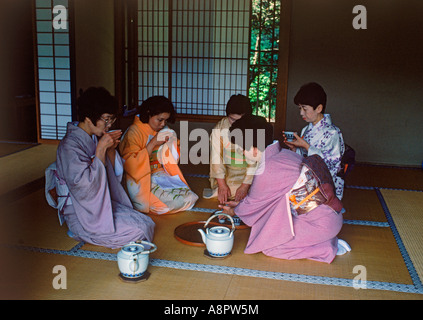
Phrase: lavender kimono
[274,230]
[99,210]
[325,139]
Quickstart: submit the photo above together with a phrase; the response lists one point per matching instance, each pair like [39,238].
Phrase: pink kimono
[274,231]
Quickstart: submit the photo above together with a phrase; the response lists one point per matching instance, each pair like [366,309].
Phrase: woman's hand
[109,140]
[242,192]
[297,143]
[228,207]
[107,144]
[115,135]
[159,139]
[223,191]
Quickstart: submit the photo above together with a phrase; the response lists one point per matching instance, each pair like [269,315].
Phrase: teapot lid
[133,249]
[219,232]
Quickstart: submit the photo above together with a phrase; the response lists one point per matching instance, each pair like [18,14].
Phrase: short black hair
[311,94]
[156,105]
[238,104]
[94,102]
[251,139]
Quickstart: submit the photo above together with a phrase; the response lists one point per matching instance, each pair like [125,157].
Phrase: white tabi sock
[343,247]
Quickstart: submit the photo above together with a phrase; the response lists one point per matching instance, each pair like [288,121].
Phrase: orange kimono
[155,183]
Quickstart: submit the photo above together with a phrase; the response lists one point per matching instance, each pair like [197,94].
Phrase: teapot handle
[220,213]
[152,245]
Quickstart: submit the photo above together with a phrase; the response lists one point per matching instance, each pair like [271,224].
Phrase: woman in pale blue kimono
[97,209]
[320,136]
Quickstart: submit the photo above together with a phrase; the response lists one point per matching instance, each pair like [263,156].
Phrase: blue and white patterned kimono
[325,139]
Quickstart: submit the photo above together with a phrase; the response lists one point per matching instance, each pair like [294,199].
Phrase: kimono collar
[145,127]
[74,131]
[269,152]
[325,122]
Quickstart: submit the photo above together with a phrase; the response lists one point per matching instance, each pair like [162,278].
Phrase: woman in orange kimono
[153,180]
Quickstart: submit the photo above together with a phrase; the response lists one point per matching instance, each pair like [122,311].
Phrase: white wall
[373,77]
[94,44]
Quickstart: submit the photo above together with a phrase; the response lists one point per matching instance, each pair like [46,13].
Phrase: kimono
[325,139]
[98,210]
[155,184]
[226,163]
[275,230]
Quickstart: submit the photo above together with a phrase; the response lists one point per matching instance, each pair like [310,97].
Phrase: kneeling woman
[153,179]
[97,209]
[282,224]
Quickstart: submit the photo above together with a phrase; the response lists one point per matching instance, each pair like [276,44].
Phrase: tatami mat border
[379,188]
[375,285]
[352,222]
[417,286]
[193,175]
[387,166]
[410,266]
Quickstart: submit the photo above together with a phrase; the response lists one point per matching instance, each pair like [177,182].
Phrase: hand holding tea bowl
[294,141]
[228,207]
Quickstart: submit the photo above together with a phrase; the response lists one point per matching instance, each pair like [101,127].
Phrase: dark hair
[238,104]
[94,102]
[156,105]
[252,123]
[311,94]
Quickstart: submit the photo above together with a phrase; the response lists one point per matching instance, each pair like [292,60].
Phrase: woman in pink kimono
[97,209]
[291,206]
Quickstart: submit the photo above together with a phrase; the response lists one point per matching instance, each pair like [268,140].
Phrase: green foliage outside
[264,55]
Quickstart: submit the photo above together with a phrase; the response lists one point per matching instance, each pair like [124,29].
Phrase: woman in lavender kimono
[320,136]
[97,210]
[281,227]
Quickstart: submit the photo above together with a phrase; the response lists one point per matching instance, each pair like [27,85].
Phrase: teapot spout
[203,235]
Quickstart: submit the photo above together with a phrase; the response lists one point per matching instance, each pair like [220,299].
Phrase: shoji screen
[195,52]
[54,76]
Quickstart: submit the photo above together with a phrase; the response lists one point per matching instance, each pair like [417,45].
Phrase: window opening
[53,72]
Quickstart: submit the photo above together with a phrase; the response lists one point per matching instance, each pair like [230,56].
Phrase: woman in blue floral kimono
[320,136]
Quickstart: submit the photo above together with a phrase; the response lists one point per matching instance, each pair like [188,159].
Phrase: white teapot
[133,259]
[218,240]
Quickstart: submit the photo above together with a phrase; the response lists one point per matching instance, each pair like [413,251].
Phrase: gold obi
[305,195]
[155,165]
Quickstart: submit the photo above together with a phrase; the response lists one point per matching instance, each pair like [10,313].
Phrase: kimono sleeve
[329,149]
[217,167]
[87,181]
[135,155]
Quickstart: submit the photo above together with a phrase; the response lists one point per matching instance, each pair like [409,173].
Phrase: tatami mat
[362,205]
[406,208]
[385,177]
[31,236]
[8,148]
[372,246]
[24,167]
[30,221]
[90,279]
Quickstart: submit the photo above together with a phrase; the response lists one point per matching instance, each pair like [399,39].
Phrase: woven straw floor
[381,225]
[9,147]
[406,209]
